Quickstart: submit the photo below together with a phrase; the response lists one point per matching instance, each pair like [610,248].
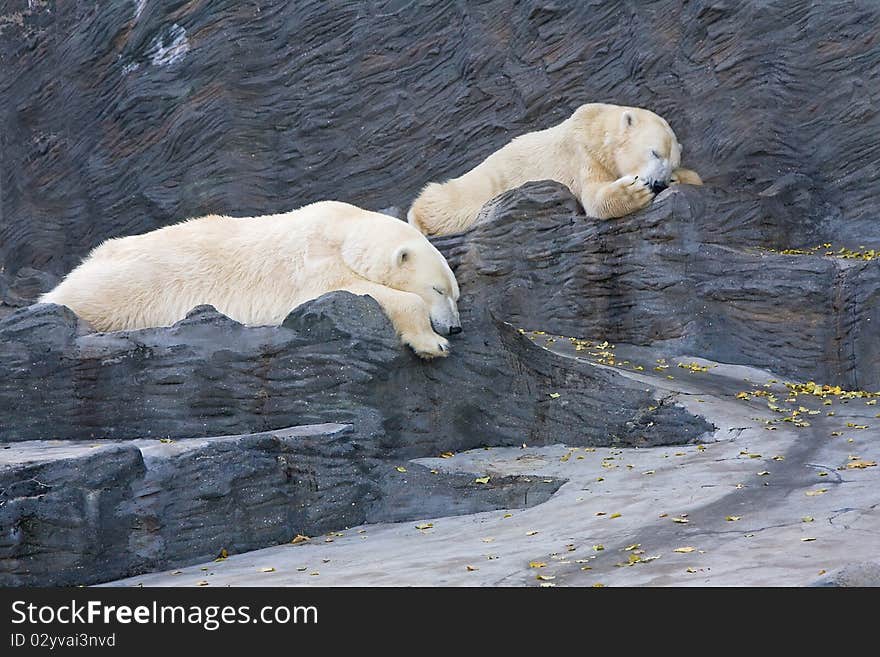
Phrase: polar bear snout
[444,318]
[658,186]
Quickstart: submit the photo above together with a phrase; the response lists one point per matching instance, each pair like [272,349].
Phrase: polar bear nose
[453,330]
[658,186]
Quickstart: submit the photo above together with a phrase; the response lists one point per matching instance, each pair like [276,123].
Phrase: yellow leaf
[778,458]
[482,480]
[202,583]
[400,468]
[299,538]
[742,395]
[817,491]
[267,570]
[598,547]
[425,525]
[690,570]
[554,395]
[545,578]
[508,515]
[615,515]
[860,464]
[685,549]
[600,479]
[733,518]
[680,521]
[446,455]
[223,555]
[598,585]
[586,568]
[634,546]
[471,568]
[165,440]
[807,519]
[536,564]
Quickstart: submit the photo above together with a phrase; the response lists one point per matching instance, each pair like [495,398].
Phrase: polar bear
[257,269]
[614,159]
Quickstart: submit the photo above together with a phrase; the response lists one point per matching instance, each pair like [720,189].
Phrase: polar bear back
[253,269]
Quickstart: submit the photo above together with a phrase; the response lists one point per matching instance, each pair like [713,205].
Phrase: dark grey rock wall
[335,359]
[687,275]
[122,117]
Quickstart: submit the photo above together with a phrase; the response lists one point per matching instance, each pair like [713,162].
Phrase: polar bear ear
[401,256]
[626,121]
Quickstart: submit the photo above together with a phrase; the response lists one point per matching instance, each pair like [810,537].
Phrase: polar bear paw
[428,345]
[632,193]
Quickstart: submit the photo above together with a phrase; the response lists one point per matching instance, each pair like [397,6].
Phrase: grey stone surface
[686,275]
[335,359]
[123,117]
[866,573]
[77,512]
[754,507]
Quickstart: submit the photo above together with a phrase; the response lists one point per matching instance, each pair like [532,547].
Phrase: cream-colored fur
[257,269]
[609,156]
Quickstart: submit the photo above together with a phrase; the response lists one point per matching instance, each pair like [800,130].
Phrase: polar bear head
[395,254]
[645,146]
[629,141]
[418,267]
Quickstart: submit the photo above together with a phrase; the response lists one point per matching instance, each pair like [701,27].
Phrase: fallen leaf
[202,583]
[223,555]
[425,525]
[299,538]
[177,572]
[817,491]
[598,547]
[267,570]
[615,515]
[680,521]
[536,564]
[314,574]
[482,480]
[165,440]
[634,546]
[733,518]
[598,585]
[823,571]
[554,395]
[807,539]
[586,568]
[690,570]
[400,468]
[852,465]
[600,479]
[488,539]
[779,458]
[446,455]
[471,569]
[648,472]
[302,569]
[532,533]
[807,519]
[545,578]
[507,515]
[685,549]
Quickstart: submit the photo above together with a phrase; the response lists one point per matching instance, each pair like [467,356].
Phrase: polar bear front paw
[632,193]
[428,345]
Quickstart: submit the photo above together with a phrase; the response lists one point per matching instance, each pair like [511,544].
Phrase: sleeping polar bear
[257,269]
[614,159]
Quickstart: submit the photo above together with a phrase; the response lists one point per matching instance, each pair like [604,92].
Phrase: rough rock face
[687,275]
[126,116]
[335,359]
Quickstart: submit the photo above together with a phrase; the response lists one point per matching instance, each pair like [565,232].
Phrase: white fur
[603,153]
[257,269]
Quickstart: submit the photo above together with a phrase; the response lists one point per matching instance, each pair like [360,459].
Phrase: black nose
[658,186]
[454,329]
